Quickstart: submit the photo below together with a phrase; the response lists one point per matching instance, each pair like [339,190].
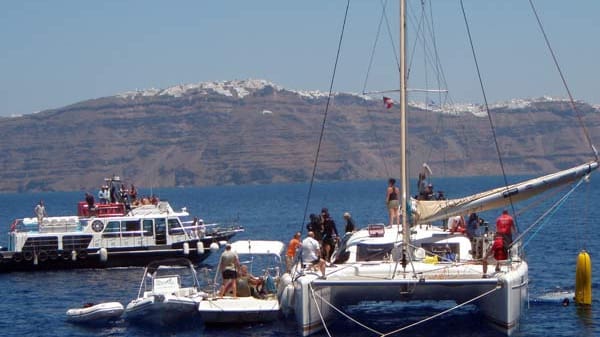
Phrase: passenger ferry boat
[110,235]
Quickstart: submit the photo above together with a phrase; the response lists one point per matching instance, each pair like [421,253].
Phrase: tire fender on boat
[186,248]
[42,256]
[17,257]
[200,247]
[103,254]
[28,256]
[53,255]
[82,254]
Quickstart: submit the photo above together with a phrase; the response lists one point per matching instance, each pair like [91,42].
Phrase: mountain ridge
[254,131]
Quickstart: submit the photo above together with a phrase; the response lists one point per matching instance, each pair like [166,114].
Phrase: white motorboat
[169,294]
[95,313]
[262,307]
[417,260]
[116,234]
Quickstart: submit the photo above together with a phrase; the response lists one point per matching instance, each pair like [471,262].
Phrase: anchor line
[312,291]
[339,311]
[314,295]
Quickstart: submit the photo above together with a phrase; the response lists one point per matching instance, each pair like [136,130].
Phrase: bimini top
[258,247]
[170,262]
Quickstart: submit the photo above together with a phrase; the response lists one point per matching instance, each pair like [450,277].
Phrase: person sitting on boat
[330,235]
[498,251]
[440,195]
[392,202]
[350,225]
[311,253]
[248,284]
[228,266]
[292,250]
[456,224]
[132,194]
[505,225]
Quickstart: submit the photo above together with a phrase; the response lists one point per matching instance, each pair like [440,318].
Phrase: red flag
[388,102]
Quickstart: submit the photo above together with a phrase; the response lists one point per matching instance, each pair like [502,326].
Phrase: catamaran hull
[502,304]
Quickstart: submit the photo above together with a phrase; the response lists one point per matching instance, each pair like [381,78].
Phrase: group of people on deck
[316,248]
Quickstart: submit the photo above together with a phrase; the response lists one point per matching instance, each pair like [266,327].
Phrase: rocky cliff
[244,132]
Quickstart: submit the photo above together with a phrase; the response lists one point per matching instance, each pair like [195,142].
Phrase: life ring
[82,254]
[53,255]
[27,255]
[17,257]
[42,256]
[97,226]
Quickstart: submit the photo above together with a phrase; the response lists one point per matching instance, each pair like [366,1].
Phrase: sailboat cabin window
[373,252]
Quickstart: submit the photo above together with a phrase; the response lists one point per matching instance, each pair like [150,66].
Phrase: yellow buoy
[583,279]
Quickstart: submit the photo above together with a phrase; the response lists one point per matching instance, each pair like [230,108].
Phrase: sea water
[34,303]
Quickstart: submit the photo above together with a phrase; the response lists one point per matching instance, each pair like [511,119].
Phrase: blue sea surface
[34,303]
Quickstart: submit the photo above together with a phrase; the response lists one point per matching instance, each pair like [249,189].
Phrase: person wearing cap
[330,234]
[103,195]
[350,226]
[228,266]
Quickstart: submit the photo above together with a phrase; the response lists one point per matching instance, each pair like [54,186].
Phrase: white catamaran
[405,262]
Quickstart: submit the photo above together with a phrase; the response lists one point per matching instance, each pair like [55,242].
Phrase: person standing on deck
[40,212]
[229,264]
[292,248]
[505,225]
[350,225]
[392,202]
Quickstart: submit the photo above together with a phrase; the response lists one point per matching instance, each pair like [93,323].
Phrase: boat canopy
[174,262]
[258,247]
[431,210]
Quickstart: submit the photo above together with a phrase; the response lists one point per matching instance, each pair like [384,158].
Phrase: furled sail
[431,210]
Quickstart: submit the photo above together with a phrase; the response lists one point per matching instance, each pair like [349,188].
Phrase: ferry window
[131,228]
[175,227]
[147,227]
[112,230]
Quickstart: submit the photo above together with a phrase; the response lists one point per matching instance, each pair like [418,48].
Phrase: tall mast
[403,128]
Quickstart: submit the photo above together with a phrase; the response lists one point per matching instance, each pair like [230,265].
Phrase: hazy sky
[55,53]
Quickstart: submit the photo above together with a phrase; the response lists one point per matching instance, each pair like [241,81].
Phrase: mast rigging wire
[564,81]
[487,109]
[314,170]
